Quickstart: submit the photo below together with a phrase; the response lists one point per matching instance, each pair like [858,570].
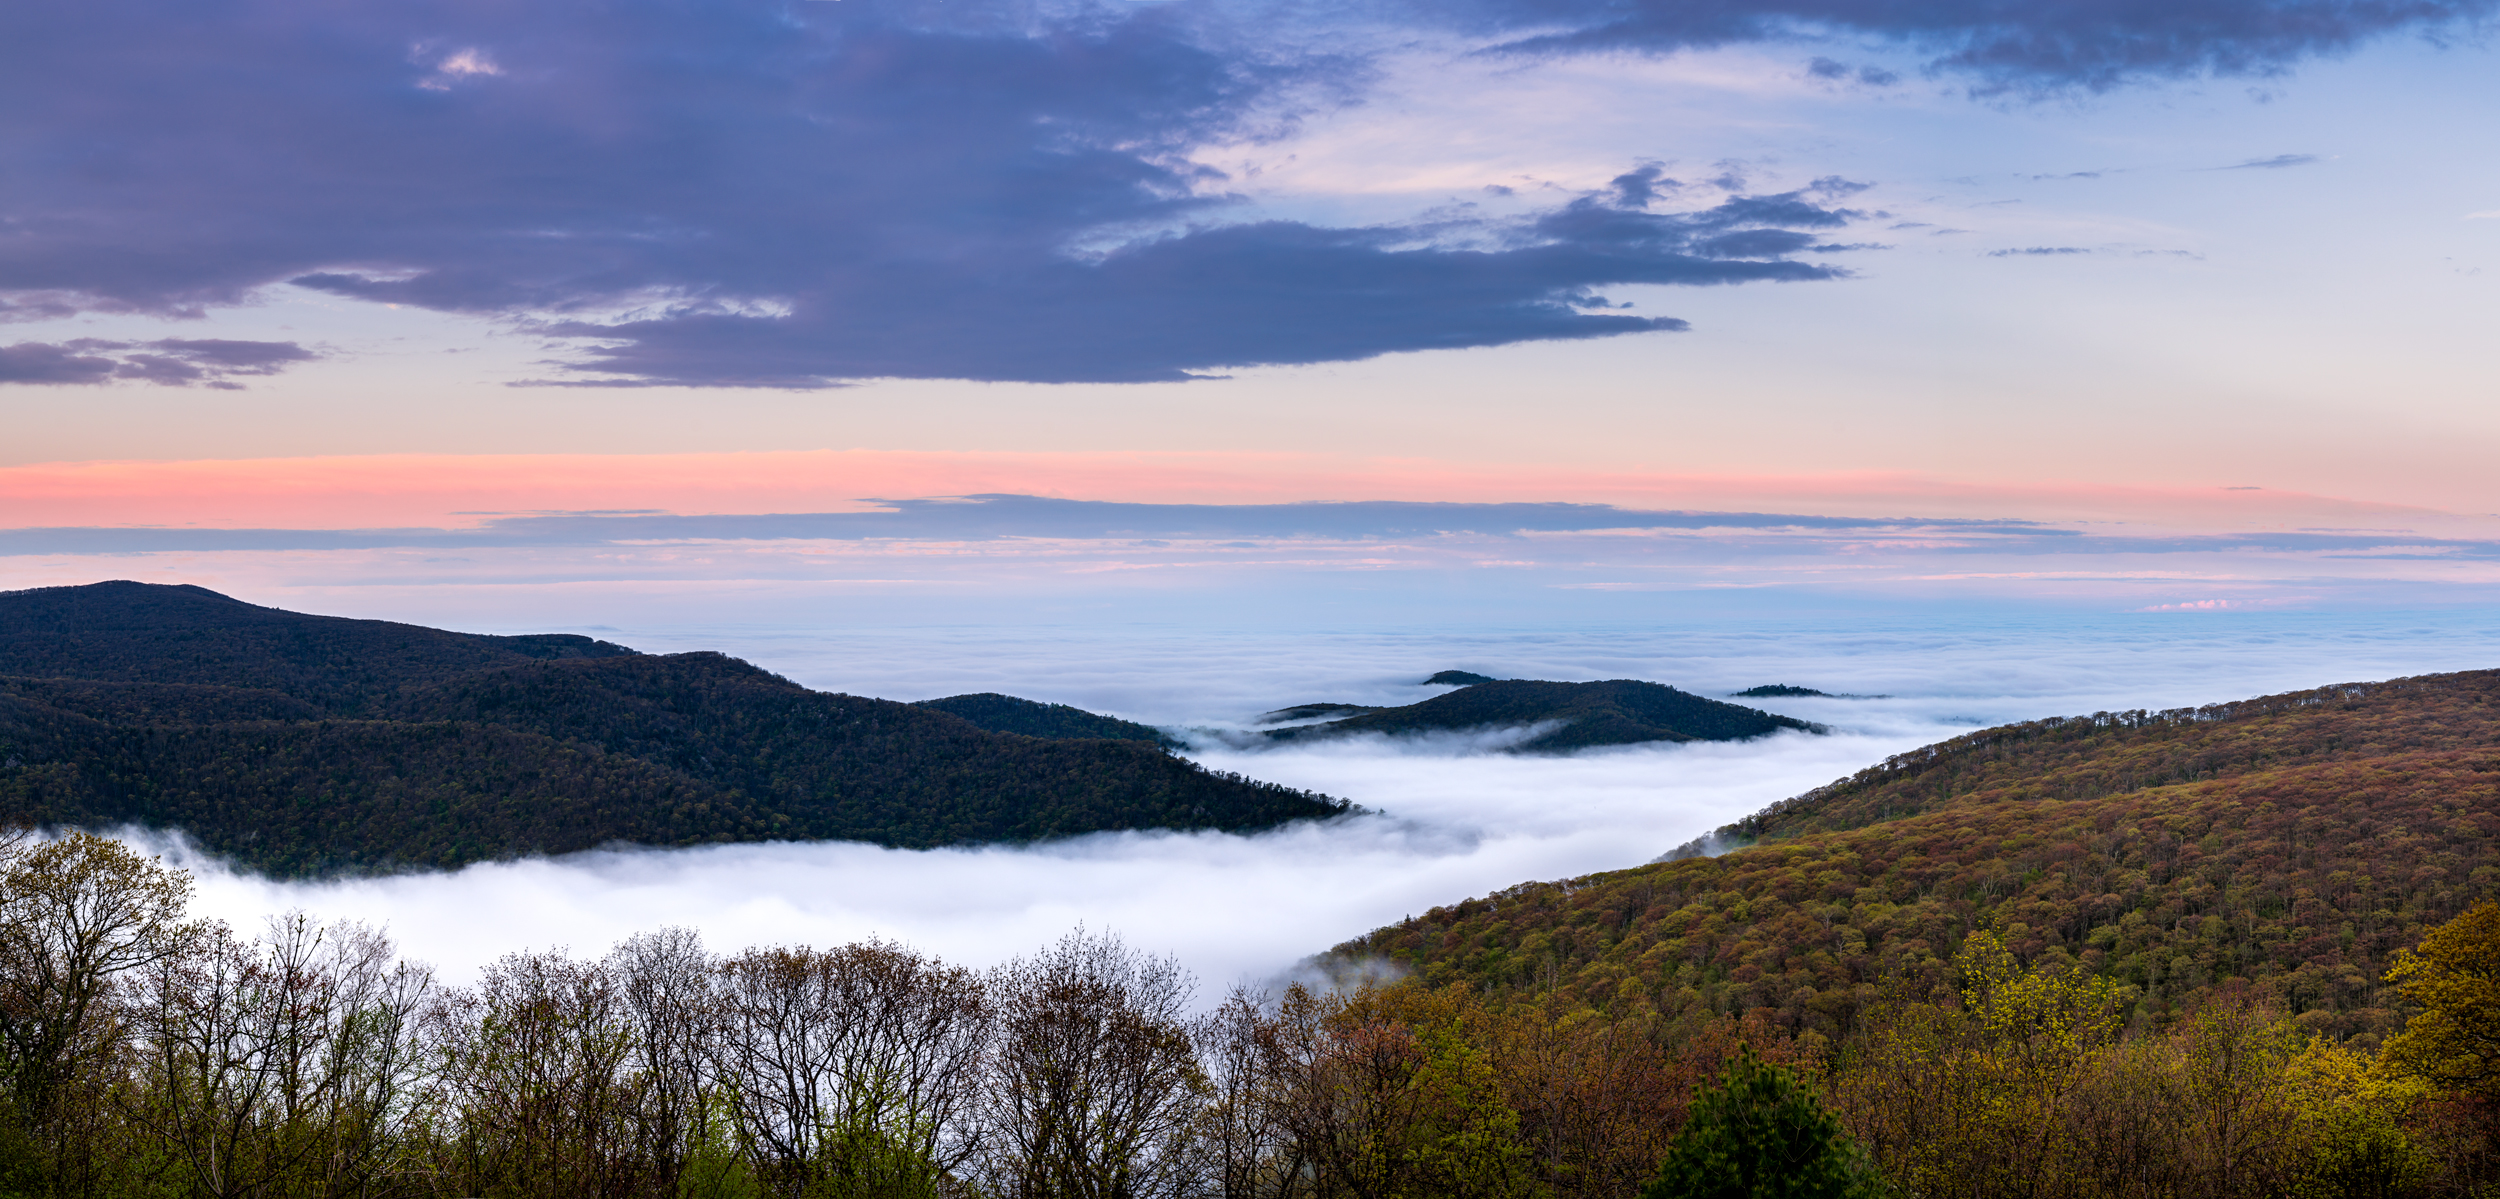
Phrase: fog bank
[1456,818]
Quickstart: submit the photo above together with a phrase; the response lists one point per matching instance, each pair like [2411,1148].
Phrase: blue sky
[2163,246]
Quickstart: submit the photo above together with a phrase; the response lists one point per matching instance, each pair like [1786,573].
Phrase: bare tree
[1095,1090]
[665,980]
[535,1097]
[282,1064]
[1248,1140]
[851,1069]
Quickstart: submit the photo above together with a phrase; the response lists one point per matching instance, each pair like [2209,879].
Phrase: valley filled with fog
[1453,817]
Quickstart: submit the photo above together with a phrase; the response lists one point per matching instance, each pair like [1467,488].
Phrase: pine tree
[1761,1134]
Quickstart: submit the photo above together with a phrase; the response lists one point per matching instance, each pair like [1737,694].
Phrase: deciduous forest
[144,1053]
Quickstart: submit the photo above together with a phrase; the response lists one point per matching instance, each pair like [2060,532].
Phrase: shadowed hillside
[302,744]
[2291,843]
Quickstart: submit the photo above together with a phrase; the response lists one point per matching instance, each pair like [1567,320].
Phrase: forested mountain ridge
[129,632]
[2289,844]
[447,748]
[1613,712]
[2082,757]
[1033,718]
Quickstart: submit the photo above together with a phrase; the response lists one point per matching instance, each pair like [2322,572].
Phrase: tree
[1761,1134]
[76,914]
[2454,975]
[665,980]
[848,1071]
[281,1064]
[1095,1089]
[534,1079]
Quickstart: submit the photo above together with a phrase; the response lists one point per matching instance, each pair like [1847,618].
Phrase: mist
[1453,815]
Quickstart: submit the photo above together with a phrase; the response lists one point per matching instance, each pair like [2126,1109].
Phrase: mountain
[152,633]
[1313,712]
[1032,718]
[1789,691]
[1615,712]
[1458,678]
[306,744]
[2289,844]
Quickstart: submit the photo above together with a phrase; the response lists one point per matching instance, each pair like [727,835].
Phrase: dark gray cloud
[769,193]
[782,193]
[1834,71]
[172,361]
[2276,163]
[2093,45]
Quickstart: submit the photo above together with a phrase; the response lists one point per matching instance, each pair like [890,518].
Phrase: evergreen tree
[1761,1134]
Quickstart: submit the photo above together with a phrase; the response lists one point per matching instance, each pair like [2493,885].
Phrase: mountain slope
[2081,757]
[310,744]
[1615,712]
[2290,844]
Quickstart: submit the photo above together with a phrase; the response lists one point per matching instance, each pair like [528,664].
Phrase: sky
[959,344]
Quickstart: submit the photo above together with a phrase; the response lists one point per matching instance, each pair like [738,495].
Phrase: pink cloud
[458,490]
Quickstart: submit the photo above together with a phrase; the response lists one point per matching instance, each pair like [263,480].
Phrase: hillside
[306,744]
[1615,712]
[2291,842]
[1033,718]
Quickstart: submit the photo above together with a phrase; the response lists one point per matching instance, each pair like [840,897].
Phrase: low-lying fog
[1456,819]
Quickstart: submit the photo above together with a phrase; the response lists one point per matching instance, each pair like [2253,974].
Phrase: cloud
[2093,45]
[1834,71]
[2276,163]
[172,362]
[2038,252]
[1002,517]
[755,193]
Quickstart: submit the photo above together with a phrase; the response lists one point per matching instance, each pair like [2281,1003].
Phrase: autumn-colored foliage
[148,1056]
[2290,846]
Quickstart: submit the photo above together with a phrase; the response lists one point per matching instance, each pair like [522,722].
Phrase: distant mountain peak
[1584,715]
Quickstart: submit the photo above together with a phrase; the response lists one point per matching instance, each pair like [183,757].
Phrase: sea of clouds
[1454,816]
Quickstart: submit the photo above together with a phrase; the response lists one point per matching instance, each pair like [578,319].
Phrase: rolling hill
[2289,844]
[307,744]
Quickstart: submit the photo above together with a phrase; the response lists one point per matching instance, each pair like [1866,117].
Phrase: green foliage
[1616,712]
[2454,977]
[22,1159]
[341,745]
[1761,1134]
